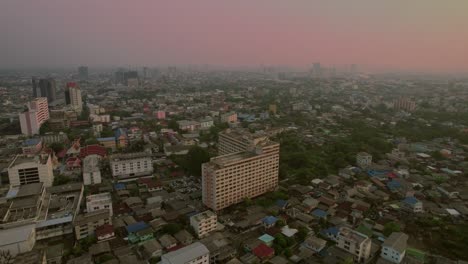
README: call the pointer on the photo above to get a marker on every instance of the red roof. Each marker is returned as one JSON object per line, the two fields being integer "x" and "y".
{"x": 263, "y": 251}
{"x": 71, "y": 84}
{"x": 150, "y": 183}
{"x": 103, "y": 230}
{"x": 93, "y": 149}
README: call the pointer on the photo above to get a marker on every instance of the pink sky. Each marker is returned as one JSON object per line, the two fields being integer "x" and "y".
{"x": 406, "y": 34}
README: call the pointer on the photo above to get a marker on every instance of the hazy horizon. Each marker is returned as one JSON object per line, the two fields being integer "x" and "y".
{"x": 421, "y": 35}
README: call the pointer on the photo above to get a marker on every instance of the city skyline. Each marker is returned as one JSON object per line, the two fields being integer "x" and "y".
{"x": 400, "y": 35}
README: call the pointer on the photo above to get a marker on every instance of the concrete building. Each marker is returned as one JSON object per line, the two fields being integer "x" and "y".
{"x": 230, "y": 117}
{"x": 394, "y": 247}
{"x": 131, "y": 166}
{"x": 91, "y": 170}
{"x": 18, "y": 240}
{"x": 405, "y": 104}
{"x": 195, "y": 253}
{"x": 32, "y": 119}
{"x": 99, "y": 201}
{"x": 44, "y": 88}
{"x": 86, "y": 224}
{"x": 206, "y": 123}
{"x": 73, "y": 96}
{"x": 31, "y": 146}
{"x": 355, "y": 243}
{"x": 229, "y": 179}
{"x": 363, "y": 159}
{"x": 204, "y": 223}
{"x": 188, "y": 125}
{"x": 24, "y": 170}
{"x": 237, "y": 140}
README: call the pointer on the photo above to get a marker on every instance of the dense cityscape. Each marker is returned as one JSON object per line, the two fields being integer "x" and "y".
{"x": 192, "y": 165}
{"x": 234, "y": 132}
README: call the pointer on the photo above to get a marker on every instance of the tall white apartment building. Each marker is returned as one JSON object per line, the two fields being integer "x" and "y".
{"x": 394, "y": 247}
{"x": 91, "y": 170}
{"x": 195, "y": 253}
{"x": 73, "y": 96}
{"x": 99, "y": 201}
{"x": 24, "y": 170}
{"x": 229, "y": 179}
{"x": 130, "y": 166}
{"x": 355, "y": 243}
{"x": 32, "y": 119}
{"x": 204, "y": 223}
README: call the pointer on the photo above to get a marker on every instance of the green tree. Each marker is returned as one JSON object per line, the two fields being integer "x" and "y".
{"x": 57, "y": 146}
{"x": 391, "y": 227}
{"x": 195, "y": 158}
{"x": 171, "y": 228}
{"x": 61, "y": 179}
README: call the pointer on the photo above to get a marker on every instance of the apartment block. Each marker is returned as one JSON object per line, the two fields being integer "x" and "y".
{"x": 32, "y": 119}
{"x": 91, "y": 170}
{"x": 131, "y": 166}
{"x": 26, "y": 169}
{"x": 99, "y": 201}
{"x": 237, "y": 140}
{"x": 229, "y": 179}
{"x": 73, "y": 96}
{"x": 355, "y": 243}
{"x": 196, "y": 253}
{"x": 86, "y": 224}
{"x": 204, "y": 223}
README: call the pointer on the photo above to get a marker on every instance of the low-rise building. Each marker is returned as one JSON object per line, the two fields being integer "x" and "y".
{"x": 363, "y": 159}
{"x": 394, "y": 247}
{"x": 91, "y": 170}
{"x": 204, "y": 223}
{"x": 355, "y": 243}
{"x": 31, "y": 146}
{"x": 25, "y": 170}
{"x": 18, "y": 240}
{"x": 98, "y": 202}
{"x": 131, "y": 166}
{"x": 86, "y": 224}
{"x": 412, "y": 204}
{"x": 195, "y": 253}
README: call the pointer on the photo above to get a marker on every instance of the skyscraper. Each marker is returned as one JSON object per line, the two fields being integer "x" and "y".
{"x": 73, "y": 96}
{"x": 83, "y": 72}
{"x": 32, "y": 119}
{"x": 44, "y": 88}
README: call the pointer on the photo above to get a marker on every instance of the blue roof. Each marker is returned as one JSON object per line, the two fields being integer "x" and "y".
{"x": 373, "y": 173}
{"x": 319, "y": 213}
{"x": 281, "y": 203}
{"x": 393, "y": 185}
{"x": 266, "y": 238}
{"x": 31, "y": 142}
{"x": 331, "y": 230}
{"x": 106, "y": 139}
{"x": 119, "y": 186}
{"x": 270, "y": 220}
{"x": 410, "y": 200}
{"x": 138, "y": 226}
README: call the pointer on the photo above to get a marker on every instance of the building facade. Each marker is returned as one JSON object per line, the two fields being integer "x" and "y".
{"x": 32, "y": 119}
{"x": 363, "y": 159}
{"x": 73, "y": 96}
{"x": 394, "y": 247}
{"x": 355, "y": 243}
{"x": 204, "y": 223}
{"x": 229, "y": 179}
{"x": 98, "y": 202}
{"x": 85, "y": 225}
{"x": 131, "y": 166}
{"x": 44, "y": 88}
{"x": 91, "y": 170}
{"x": 24, "y": 170}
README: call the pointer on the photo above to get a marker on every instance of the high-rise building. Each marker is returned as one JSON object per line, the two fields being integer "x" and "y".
{"x": 32, "y": 119}
{"x": 237, "y": 140}
{"x": 73, "y": 96}
{"x": 83, "y": 72}
{"x": 405, "y": 104}
{"x": 126, "y": 77}
{"x": 229, "y": 179}
{"x": 26, "y": 169}
{"x": 44, "y": 88}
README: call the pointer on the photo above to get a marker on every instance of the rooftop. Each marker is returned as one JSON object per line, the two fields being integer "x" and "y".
{"x": 128, "y": 156}
{"x": 397, "y": 241}
{"x": 39, "y": 159}
{"x": 203, "y": 215}
{"x": 186, "y": 254}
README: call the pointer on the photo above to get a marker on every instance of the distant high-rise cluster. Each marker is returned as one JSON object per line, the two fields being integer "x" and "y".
{"x": 32, "y": 119}
{"x": 73, "y": 96}
{"x": 83, "y": 73}
{"x": 127, "y": 78}
{"x": 248, "y": 167}
{"x": 44, "y": 88}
